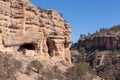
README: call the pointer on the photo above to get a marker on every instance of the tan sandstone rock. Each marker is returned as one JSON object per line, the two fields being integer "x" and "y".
{"x": 38, "y": 31}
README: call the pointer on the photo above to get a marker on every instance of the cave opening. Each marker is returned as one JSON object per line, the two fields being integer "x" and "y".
{"x": 28, "y": 46}
{"x": 49, "y": 50}
{"x": 51, "y": 47}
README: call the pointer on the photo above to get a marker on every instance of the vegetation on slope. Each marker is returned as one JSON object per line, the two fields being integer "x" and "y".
{"x": 8, "y": 66}
{"x": 115, "y": 30}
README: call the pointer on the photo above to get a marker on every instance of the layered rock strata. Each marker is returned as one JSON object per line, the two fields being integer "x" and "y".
{"x": 28, "y": 30}
{"x": 100, "y": 43}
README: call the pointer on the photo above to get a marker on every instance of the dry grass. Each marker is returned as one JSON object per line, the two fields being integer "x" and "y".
{"x": 8, "y": 66}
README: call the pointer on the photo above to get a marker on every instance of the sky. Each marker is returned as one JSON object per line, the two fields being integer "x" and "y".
{"x": 85, "y": 16}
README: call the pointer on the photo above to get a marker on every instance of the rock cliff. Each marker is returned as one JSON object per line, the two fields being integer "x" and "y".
{"x": 100, "y": 43}
{"x": 30, "y": 31}
{"x": 104, "y": 39}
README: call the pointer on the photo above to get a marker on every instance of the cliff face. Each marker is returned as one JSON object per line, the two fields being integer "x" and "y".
{"x": 27, "y": 30}
{"x": 100, "y": 43}
{"x": 104, "y": 39}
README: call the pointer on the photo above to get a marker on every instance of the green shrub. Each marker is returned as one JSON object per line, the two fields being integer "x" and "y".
{"x": 77, "y": 72}
{"x": 82, "y": 50}
{"x": 34, "y": 64}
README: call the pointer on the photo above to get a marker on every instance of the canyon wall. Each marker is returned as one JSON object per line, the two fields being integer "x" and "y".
{"x": 100, "y": 43}
{"x": 27, "y": 30}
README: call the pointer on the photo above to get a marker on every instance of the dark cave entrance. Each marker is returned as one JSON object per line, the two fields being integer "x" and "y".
{"x": 27, "y": 46}
{"x": 51, "y": 48}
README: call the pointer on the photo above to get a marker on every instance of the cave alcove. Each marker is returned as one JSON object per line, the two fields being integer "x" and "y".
{"x": 27, "y": 46}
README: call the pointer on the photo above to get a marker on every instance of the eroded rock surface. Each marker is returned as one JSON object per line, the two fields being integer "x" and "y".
{"x": 23, "y": 28}
{"x": 99, "y": 43}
